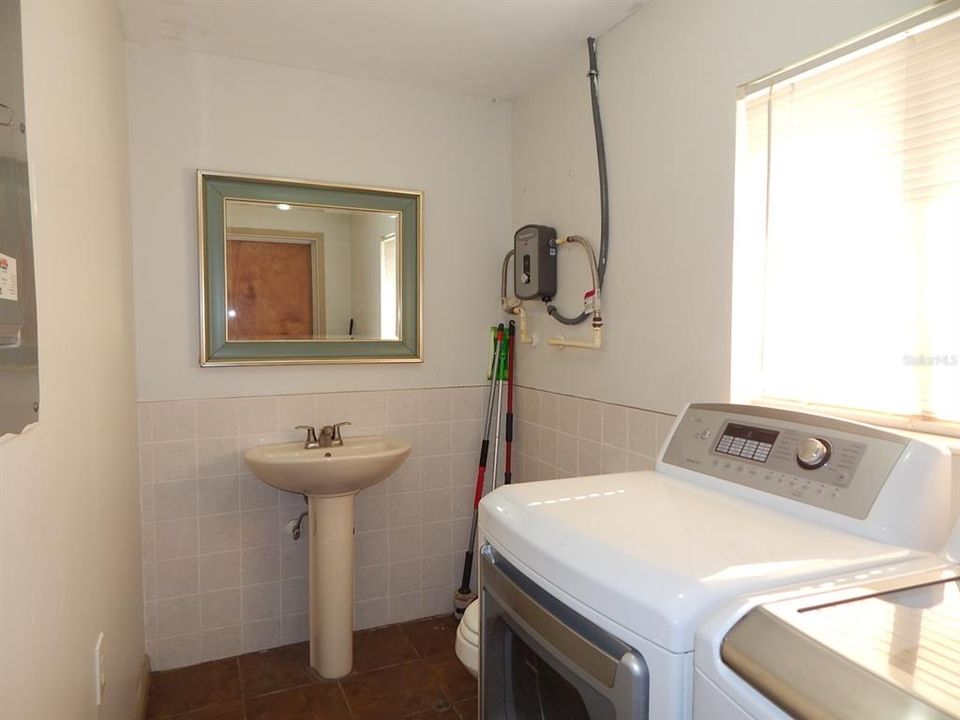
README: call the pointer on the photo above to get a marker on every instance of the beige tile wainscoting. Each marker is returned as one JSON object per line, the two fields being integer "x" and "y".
{"x": 563, "y": 436}
{"x": 222, "y": 577}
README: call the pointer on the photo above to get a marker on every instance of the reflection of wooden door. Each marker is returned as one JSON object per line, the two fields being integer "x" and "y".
{"x": 270, "y": 290}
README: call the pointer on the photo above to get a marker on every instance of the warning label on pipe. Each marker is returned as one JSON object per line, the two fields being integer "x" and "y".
{"x": 8, "y": 277}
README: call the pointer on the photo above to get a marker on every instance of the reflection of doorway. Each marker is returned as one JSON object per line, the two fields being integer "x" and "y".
{"x": 274, "y": 285}
{"x": 388, "y": 287}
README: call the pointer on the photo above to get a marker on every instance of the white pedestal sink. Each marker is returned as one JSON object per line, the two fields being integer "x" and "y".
{"x": 330, "y": 477}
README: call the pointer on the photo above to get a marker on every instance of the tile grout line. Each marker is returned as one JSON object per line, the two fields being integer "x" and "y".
{"x": 243, "y": 695}
{"x": 343, "y": 694}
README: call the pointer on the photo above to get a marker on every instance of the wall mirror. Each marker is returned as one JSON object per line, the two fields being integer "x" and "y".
{"x": 293, "y": 271}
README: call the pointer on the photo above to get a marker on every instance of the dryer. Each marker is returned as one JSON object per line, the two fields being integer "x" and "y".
{"x": 592, "y": 588}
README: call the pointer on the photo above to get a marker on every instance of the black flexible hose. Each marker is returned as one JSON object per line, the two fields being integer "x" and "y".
{"x": 594, "y": 75}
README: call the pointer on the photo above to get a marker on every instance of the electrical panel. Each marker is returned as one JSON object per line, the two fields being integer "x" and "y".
{"x": 19, "y": 375}
{"x": 535, "y": 262}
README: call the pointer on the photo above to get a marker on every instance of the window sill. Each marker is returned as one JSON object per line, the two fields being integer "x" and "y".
{"x": 951, "y": 443}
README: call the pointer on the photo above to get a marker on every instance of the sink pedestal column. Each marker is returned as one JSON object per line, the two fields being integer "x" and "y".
{"x": 331, "y": 585}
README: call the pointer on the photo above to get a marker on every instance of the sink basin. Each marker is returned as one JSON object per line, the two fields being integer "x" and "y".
{"x": 331, "y": 471}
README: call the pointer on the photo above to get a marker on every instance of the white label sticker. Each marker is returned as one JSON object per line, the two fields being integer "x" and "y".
{"x": 8, "y": 277}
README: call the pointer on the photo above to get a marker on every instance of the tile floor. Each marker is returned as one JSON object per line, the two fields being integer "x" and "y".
{"x": 406, "y": 671}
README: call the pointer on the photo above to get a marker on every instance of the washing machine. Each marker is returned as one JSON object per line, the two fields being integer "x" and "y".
{"x": 592, "y": 588}
{"x": 869, "y": 644}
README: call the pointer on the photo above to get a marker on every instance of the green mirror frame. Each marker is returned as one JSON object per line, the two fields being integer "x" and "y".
{"x": 215, "y": 188}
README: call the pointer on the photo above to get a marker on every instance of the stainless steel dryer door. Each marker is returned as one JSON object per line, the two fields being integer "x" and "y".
{"x": 539, "y": 660}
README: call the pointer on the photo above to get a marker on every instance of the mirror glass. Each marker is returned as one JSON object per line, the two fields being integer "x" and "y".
{"x": 295, "y": 271}
{"x": 307, "y": 272}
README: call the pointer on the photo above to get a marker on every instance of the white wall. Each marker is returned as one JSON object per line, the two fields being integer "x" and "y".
{"x": 69, "y": 516}
{"x": 668, "y": 77}
{"x": 191, "y": 110}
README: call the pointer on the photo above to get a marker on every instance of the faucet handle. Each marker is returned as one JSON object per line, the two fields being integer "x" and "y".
{"x": 311, "y": 433}
{"x": 336, "y": 430}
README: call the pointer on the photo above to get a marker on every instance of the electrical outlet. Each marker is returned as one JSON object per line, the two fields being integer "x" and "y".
{"x": 99, "y": 669}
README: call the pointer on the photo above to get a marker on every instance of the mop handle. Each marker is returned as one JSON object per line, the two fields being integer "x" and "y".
{"x": 508, "y": 458}
{"x": 481, "y": 467}
{"x": 496, "y": 435}
{"x": 485, "y": 443}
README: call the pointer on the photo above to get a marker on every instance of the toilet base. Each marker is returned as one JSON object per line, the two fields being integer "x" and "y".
{"x": 468, "y": 639}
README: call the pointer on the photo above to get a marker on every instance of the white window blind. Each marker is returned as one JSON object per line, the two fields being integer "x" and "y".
{"x": 847, "y": 248}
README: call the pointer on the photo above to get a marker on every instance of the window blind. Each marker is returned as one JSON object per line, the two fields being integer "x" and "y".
{"x": 848, "y": 189}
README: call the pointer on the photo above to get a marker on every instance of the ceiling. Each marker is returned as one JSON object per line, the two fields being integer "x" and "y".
{"x": 489, "y": 48}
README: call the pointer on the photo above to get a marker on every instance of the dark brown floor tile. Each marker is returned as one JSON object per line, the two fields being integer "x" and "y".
{"x": 173, "y": 692}
{"x": 313, "y": 702}
{"x": 455, "y": 682}
{"x": 433, "y": 636}
{"x": 443, "y": 712}
{"x": 230, "y": 711}
{"x": 281, "y": 668}
{"x": 380, "y": 648}
{"x": 393, "y": 692}
{"x": 468, "y": 709}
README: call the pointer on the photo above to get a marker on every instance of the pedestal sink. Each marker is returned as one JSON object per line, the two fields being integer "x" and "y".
{"x": 330, "y": 477}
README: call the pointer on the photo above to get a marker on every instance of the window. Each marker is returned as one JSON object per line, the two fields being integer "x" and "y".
{"x": 847, "y": 228}
{"x": 388, "y": 287}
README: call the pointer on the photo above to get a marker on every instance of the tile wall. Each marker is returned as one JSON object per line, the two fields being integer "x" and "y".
{"x": 563, "y": 436}
{"x": 221, "y": 575}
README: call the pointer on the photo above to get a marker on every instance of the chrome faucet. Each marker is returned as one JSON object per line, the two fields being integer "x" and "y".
{"x": 311, "y": 441}
{"x": 328, "y": 436}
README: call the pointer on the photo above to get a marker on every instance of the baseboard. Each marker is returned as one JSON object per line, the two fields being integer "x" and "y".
{"x": 143, "y": 689}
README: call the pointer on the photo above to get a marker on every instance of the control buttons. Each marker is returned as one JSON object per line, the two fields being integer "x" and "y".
{"x": 744, "y": 448}
{"x": 705, "y": 434}
{"x": 813, "y": 453}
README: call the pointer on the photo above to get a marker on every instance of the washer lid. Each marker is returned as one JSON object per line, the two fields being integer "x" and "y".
{"x": 655, "y": 554}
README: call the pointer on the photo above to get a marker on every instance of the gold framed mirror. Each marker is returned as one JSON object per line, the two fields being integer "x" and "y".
{"x": 296, "y": 271}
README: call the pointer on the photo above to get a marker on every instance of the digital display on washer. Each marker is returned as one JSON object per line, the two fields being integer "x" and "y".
{"x": 749, "y": 443}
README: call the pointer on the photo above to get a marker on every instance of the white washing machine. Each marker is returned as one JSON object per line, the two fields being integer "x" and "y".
{"x": 870, "y": 644}
{"x": 592, "y": 588}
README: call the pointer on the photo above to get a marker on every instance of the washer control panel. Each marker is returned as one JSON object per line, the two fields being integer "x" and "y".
{"x": 829, "y": 463}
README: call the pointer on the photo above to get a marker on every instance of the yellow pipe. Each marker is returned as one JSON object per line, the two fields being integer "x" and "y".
{"x": 524, "y": 337}
{"x": 596, "y": 344}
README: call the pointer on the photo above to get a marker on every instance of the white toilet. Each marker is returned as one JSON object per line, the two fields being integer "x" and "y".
{"x": 468, "y": 638}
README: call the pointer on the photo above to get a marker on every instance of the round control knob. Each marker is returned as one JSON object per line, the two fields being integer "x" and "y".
{"x": 813, "y": 453}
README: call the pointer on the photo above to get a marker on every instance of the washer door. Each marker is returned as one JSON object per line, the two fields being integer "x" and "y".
{"x": 539, "y": 660}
